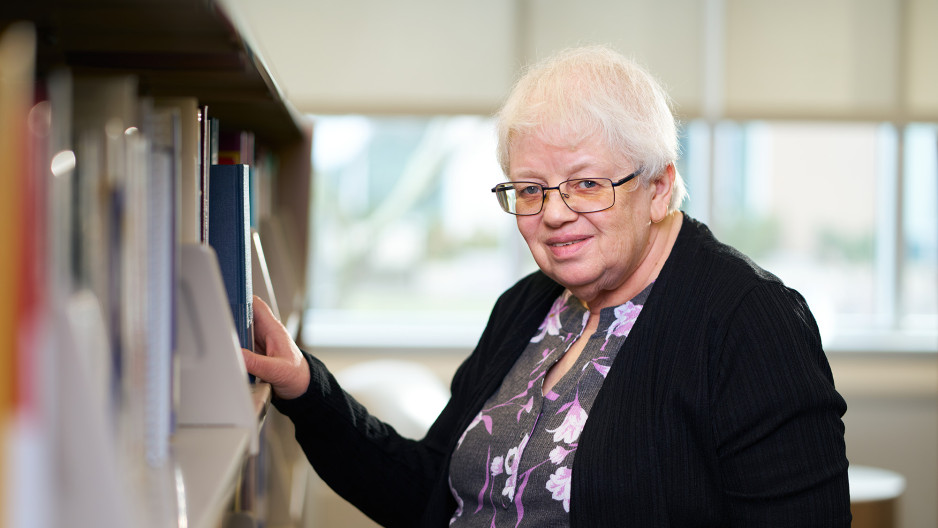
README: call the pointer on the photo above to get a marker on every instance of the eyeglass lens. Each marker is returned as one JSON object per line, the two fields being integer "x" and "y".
{"x": 580, "y": 195}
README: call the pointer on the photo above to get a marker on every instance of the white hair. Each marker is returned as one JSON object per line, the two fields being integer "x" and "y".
{"x": 594, "y": 90}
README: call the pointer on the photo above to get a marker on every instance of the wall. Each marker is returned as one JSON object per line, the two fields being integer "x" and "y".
{"x": 840, "y": 59}
{"x": 892, "y": 422}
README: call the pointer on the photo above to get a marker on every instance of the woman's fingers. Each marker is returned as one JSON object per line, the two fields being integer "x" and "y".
{"x": 278, "y": 361}
{"x": 265, "y": 324}
{"x": 252, "y": 363}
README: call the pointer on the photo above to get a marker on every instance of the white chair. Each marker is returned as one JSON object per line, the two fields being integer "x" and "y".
{"x": 405, "y": 394}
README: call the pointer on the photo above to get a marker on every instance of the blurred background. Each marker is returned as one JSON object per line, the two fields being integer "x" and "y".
{"x": 809, "y": 132}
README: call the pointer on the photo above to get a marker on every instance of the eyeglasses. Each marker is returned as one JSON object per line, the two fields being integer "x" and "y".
{"x": 581, "y": 195}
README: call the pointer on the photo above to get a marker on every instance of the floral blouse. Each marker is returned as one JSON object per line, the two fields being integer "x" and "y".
{"x": 512, "y": 465}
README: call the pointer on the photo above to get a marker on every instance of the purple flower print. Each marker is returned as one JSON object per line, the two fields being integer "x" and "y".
{"x": 558, "y": 454}
{"x": 512, "y": 459}
{"x": 559, "y": 486}
{"x": 545, "y": 355}
{"x": 551, "y": 324}
{"x": 526, "y": 408}
{"x": 521, "y": 410}
{"x": 485, "y": 486}
{"x": 519, "y": 502}
{"x": 602, "y": 369}
{"x": 498, "y": 465}
{"x": 569, "y": 430}
{"x": 480, "y": 418}
{"x": 626, "y": 315}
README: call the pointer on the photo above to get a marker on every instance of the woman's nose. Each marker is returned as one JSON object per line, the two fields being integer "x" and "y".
{"x": 555, "y": 209}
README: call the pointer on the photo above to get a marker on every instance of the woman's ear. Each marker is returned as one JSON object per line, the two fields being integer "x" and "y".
{"x": 661, "y": 197}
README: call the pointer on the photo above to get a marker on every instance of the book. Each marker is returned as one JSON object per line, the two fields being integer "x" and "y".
{"x": 17, "y": 56}
{"x": 131, "y": 302}
{"x": 162, "y": 125}
{"x": 108, "y": 216}
{"x": 190, "y": 166}
{"x": 230, "y": 237}
{"x": 235, "y": 147}
{"x": 60, "y": 219}
{"x": 265, "y": 170}
{"x": 207, "y": 141}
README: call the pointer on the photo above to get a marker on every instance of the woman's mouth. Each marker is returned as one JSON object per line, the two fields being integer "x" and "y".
{"x": 565, "y": 246}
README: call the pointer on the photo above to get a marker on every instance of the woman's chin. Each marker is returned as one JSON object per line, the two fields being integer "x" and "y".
{"x": 572, "y": 279}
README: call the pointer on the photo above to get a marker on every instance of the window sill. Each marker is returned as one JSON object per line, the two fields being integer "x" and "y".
{"x": 435, "y": 332}
{"x": 389, "y": 332}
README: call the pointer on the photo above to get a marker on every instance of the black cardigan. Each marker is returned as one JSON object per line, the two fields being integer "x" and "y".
{"x": 719, "y": 410}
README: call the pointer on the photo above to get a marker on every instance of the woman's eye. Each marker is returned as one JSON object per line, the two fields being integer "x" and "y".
{"x": 531, "y": 190}
{"x": 585, "y": 185}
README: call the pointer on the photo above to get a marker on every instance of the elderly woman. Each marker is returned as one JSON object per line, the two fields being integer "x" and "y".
{"x": 647, "y": 375}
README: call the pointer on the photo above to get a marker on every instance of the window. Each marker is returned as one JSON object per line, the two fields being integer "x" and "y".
{"x": 919, "y": 252}
{"x": 410, "y": 248}
{"x": 823, "y": 206}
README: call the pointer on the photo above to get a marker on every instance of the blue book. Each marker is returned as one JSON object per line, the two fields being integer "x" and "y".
{"x": 229, "y": 234}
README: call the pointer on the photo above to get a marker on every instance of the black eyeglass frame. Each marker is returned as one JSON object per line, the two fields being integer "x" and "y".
{"x": 544, "y": 190}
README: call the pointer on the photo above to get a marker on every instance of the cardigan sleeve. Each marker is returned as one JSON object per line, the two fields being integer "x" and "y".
{"x": 777, "y": 417}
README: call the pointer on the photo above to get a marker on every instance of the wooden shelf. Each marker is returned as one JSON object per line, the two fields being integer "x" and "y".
{"x": 210, "y": 476}
{"x": 188, "y": 49}
{"x": 174, "y": 47}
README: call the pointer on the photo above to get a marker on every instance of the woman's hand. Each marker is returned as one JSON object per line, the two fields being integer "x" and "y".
{"x": 278, "y": 360}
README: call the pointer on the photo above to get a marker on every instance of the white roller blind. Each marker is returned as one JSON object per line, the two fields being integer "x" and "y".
{"x": 921, "y": 90}
{"x": 664, "y": 36}
{"x": 396, "y": 56}
{"x": 830, "y": 58}
{"x": 807, "y": 59}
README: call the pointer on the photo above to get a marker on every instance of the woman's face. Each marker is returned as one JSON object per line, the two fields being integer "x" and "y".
{"x": 592, "y": 254}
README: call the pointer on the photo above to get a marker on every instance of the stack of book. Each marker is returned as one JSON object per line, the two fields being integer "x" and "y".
{"x": 106, "y": 191}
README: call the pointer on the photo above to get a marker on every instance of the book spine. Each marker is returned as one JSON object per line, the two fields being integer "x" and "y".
{"x": 163, "y": 128}
{"x": 205, "y": 162}
{"x": 230, "y": 237}
{"x": 235, "y": 147}
{"x": 17, "y": 53}
{"x": 188, "y": 194}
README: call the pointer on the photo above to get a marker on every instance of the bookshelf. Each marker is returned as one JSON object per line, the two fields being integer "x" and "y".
{"x": 105, "y": 228}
